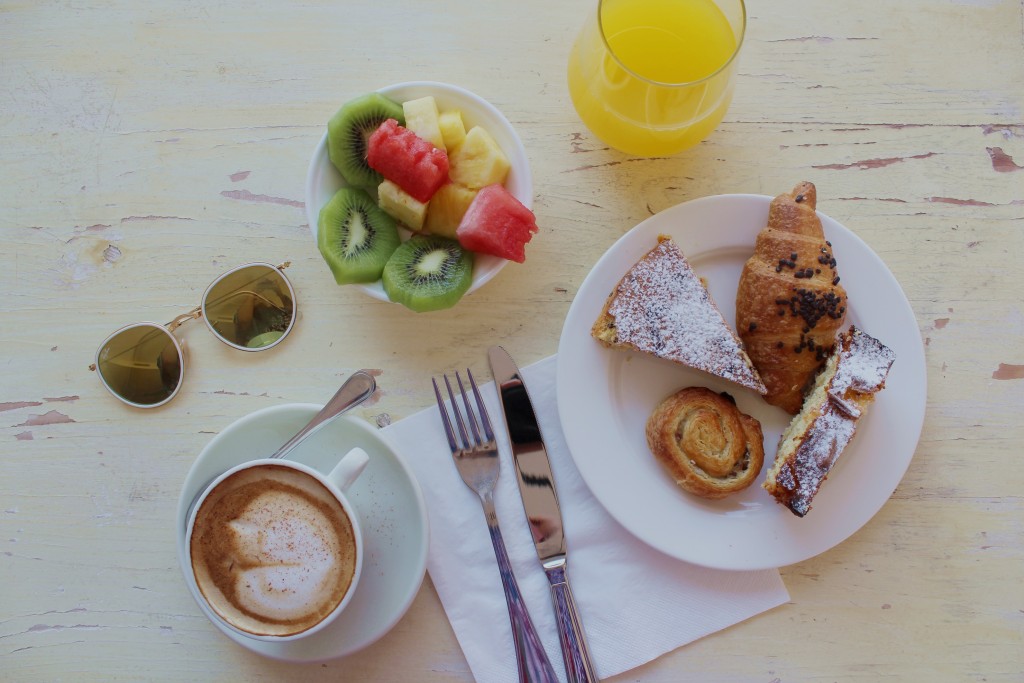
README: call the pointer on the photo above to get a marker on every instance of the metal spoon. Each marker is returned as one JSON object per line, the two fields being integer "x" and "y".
{"x": 356, "y": 389}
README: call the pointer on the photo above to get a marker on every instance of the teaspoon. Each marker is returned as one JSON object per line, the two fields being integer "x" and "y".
{"x": 356, "y": 389}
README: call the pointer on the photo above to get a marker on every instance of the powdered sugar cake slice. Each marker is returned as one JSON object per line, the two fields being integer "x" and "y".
{"x": 660, "y": 307}
{"x": 817, "y": 436}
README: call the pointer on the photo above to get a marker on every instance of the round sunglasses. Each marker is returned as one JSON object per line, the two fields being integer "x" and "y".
{"x": 250, "y": 308}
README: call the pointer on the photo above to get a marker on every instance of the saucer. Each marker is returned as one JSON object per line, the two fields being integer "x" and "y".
{"x": 386, "y": 497}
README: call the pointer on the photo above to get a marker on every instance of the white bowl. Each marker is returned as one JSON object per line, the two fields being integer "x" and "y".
{"x": 323, "y": 180}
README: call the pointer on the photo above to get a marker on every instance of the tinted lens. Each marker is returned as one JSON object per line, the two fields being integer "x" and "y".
{"x": 141, "y": 365}
{"x": 250, "y": 308}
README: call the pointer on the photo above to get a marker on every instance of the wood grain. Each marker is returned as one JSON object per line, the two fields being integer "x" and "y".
{"x": 150, "y": 146}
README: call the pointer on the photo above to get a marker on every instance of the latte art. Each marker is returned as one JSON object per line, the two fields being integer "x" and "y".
{"x": 282, "y": 565}
{"x": 273, "y": 551}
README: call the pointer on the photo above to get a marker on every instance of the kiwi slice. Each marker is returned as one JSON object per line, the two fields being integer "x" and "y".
{"x": 350, "y": 129}
{"x": 428, "y": 273}
{"x": 355, "y": 236}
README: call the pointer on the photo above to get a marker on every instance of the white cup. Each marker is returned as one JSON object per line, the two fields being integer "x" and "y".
{"x": 265, "y": 549}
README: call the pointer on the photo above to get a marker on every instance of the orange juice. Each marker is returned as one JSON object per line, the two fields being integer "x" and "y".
{"x": 653, "y": 77}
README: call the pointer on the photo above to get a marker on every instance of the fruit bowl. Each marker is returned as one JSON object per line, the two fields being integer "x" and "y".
{"x": 323, "y": 180}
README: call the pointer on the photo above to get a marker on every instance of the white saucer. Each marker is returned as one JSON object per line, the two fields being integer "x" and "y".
{"x": 387, "y": 499}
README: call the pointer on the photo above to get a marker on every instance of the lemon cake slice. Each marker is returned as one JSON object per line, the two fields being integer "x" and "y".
{"x": 814, "y": 440}
{"x": 661, "y": 308}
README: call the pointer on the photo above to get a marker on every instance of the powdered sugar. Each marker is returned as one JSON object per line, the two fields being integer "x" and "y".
{"x": 660, "y": 307}
{"x": 831, "y": 433}
{"x": 831, "y": 415}
{"x": 863, "y": 366}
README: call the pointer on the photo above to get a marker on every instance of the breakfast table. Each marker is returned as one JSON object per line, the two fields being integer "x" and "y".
{"x": 149, "y": 147}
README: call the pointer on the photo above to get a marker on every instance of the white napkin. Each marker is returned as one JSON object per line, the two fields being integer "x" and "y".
{"x": 635, "y": 602}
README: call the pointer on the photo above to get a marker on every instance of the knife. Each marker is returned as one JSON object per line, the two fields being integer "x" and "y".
{"x": 537, "y": 487}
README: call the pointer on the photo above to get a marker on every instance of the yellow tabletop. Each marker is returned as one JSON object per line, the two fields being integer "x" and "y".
{"x": 150, "y": 146}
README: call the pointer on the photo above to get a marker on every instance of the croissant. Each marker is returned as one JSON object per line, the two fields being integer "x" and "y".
{"x": 789, "y": 303}
{"x": 705, "y": 443}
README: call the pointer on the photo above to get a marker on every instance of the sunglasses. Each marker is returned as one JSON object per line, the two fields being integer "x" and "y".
{"x": 250, "y": 308}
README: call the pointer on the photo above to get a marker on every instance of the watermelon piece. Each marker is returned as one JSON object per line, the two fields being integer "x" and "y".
{"x": 497, "y": 223}
{"x": 407, "y": 160}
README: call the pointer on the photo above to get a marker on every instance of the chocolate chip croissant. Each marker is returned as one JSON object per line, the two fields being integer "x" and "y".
{"x": 705, "y": 443}
{"x": 789, "y": 303}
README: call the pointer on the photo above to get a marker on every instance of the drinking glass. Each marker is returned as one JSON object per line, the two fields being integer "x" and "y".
{"x": 654, "y": 77}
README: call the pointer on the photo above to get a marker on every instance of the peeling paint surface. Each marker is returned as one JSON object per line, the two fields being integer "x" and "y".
{"x": 50, "y": 418}
{"x": 150, "y": 147}
{"x": 868, "y": 164}
{"x": 1008, "y": 371}
{"x": 246, "y": 196}
{"x": 1001, "y": 161}
{"x": 19, "y": 404}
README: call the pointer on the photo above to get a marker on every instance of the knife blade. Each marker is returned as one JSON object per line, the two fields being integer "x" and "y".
{"x": 540, "y": 502}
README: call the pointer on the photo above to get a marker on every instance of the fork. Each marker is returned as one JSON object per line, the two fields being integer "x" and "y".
{"x": 477, "y": 462}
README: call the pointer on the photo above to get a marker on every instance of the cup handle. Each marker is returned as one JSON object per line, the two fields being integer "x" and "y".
{"x": 348, "y": 470}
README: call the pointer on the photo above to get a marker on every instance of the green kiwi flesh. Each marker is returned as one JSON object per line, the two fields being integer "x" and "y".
{"x": 355, "y": 236}
{"x": 348, "y": 132}
{"x": 428, "y": 273}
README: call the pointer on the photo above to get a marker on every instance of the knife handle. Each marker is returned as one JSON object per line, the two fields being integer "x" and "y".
{"x": 578, "y": 666}
{"x": 531, "y": 659}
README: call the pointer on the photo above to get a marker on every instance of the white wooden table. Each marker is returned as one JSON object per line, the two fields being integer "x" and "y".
{"x": 147, "y": 147}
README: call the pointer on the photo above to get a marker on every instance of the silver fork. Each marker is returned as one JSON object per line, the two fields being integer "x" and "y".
{"x": 477, "y": 462}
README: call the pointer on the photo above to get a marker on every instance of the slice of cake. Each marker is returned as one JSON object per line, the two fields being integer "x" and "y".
{"x": 661, "y": 308}
{"x": 826, "y": 423}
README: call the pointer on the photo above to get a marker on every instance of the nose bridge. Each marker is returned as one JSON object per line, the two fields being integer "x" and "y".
{"x": 194, "y": 314}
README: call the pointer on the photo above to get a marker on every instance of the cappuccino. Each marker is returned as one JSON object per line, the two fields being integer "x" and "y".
{"x": 273, "y": 551}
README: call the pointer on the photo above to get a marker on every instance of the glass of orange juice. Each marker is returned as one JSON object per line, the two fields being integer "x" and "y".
{"x": 653, "y": 77}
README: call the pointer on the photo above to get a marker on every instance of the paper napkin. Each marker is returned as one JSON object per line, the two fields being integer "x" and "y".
{"x": 635, "y": 602}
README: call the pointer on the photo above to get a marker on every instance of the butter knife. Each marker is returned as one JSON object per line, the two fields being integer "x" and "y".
{"x": 540, "y": 502}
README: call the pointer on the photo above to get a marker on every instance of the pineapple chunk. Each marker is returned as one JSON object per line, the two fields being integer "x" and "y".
{"x": 401, "y": 206}
{"x": 478, "y": 161}
{"x": 446, "y": 208}
{"x": 453, "y": 130}
{"x": 421, "y": 117}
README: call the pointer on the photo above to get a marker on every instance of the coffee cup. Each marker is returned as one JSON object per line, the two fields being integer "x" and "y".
{"x": 275, "y": 548}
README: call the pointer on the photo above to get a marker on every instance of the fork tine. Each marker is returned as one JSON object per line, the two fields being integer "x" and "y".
{"x": 480, "y": 406}
{"x": 471, "y": 418}
{"x": 448, "y": 431}
{"x": 458, "y": 413}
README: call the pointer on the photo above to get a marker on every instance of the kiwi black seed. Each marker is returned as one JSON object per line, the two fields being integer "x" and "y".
{"x": 355, "y": 236}
{"x": 428, "y": 273}
{"x": 348, "y": 132}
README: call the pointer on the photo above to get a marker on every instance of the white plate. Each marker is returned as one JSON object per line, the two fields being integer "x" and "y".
{"x": 386, "y": 497}
{"x": 605, "y": 397}
{"x": 323, "y": 179}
